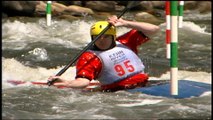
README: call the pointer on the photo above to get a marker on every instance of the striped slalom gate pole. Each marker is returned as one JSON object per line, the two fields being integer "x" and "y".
{"x": 48, "y": 13}
{"x": 180, "y": 17}
{"x": 168, "y": 32}
{"x": 174, "y": 47}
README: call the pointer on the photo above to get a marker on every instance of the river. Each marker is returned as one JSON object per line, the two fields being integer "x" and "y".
{"x": 32, "y": 51}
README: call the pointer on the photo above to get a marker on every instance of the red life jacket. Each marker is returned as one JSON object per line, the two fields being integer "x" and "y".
{"x": 89, "y": 65}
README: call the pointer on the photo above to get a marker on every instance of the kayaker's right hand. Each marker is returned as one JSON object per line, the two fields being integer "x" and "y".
{"x": 53, "y": 79}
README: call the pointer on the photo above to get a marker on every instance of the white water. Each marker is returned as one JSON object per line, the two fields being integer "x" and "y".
{"x": 14, "y": 70}
{"x": 19, "y": 45}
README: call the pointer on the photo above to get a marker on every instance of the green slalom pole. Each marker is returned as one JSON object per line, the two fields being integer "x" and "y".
{"x": 180, "y": 17}
{"x": 48, "y": 13}
{"x": 174, "y": 47}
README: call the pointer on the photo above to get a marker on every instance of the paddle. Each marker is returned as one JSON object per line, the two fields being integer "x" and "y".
{"x": 130, "y": 5}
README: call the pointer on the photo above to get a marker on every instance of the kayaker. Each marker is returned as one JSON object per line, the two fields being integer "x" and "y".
{"x": 112, "y": 61}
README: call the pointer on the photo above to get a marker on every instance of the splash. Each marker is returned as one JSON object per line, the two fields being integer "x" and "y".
{"x": 40, "y": 54}
{"x": 15, "y": 70}
{"x": 192, "y": 26}
{"x": 141, "y": 103}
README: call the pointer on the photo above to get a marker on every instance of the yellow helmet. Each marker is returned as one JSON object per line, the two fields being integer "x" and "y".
{"x": 100, "y": 26}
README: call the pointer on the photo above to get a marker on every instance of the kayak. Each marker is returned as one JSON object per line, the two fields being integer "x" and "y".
{"x": 186, "y": 88}
{"x": 92, "y": 85}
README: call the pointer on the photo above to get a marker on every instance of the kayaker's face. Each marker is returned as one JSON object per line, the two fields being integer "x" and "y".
{"x": 104, "y": 42}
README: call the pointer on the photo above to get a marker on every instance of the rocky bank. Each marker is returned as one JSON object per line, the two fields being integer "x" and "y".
{"x": 144, "y": 10}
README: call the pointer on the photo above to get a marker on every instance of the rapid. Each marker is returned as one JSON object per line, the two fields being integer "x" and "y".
{"x": 31, "y": 51}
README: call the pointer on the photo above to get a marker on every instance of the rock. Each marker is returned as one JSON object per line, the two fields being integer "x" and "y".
{"x": 68, "y": 17}
{"x": 119, "y": 8}
{"x": 204, "y": 6}
{"x": 102, "y": 6}
{"x": 201, "y": 6}
{"x": 149, "y": 5}
{"x": 145, "y": 5}
{"x": 96, "y": 8}
{"x": 41, "y": 6}
{"x": 58, "y": 8}
{"x": 158, "y": 4}
{"x": 190, "y": 5}
{"x": 101, "y": 15}
{"x": 79, "y": 10}
{"x": 19, "y": 8}
{"x": 146, "y": 17}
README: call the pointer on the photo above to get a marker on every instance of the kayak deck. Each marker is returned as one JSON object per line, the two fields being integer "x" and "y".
{"x": 186, "y": 89}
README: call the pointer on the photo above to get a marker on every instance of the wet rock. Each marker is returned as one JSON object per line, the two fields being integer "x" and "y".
{"x": 40, "y": 9}
{"x": 190, "y": 5}
{"x": 79, "y": 10}
{"x": 201, "y": 6}
{"x": 68, "y": 17}
{"x": 19, "y": 8}
{"x": 204, "y": 6}
{"x": 102, "y": 6}
{"x": 146, "y": 17}
{"x": 84, "y": 8}
{"x": 58, "y": 7}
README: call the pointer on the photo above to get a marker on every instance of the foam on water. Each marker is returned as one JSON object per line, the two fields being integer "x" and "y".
{"x": 15, "y": 70}
{"x": 141, "y": 103}
{"x": 203, "y": 77}
{"x": 60, "y": 32}
{"x": 192, "y": 27}
{"x": 18, "y": 34}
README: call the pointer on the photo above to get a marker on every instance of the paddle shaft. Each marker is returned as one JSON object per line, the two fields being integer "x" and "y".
{"x": 88, "y": 46}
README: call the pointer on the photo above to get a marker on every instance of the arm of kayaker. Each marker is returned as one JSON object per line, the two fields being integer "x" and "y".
{"x": 77, "y": 83}
{"x": 147, "y": 28}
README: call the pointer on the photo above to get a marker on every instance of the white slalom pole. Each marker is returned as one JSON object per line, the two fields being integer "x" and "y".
{"x": 48, "y": 13}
